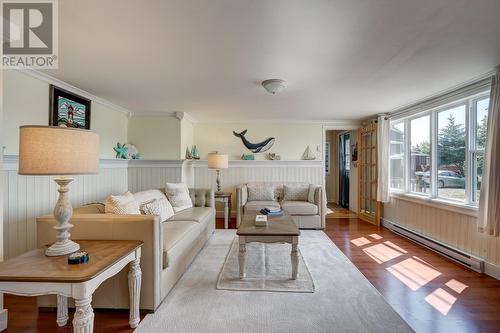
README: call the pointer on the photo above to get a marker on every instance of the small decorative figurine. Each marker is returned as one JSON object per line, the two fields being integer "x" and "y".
{"x": 121, "y": 151}
{"x": 248, "y": 157}
{"x": 194, "y": 153}
{"x": 188, "y": 154}
{"x": 273, "y": 157}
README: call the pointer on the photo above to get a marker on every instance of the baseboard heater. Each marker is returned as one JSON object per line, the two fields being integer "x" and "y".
{"x": 458, "y": 256}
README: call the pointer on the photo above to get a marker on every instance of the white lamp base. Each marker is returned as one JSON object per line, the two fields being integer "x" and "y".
{"x": 62, "y": 214}
{"x": 62, "y": 248}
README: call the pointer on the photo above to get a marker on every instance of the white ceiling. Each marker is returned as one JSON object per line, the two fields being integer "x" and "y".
{"x": 342, "y": 59}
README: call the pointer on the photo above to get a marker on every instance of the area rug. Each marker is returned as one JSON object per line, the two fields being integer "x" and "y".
{"x": 343, "y": 301}
{"x": 268, "y": 268}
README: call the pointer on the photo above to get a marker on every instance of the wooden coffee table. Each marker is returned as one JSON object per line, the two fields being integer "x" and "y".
{"x": 280, "y": 229}
{"x": 34, "y": 274}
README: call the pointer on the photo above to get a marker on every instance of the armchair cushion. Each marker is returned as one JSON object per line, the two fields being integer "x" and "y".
{"x": 260, "y": 192}
{"x": 256, "y": 206}
{"x": 299, "y": 208}
{"x": 296, "y": 192}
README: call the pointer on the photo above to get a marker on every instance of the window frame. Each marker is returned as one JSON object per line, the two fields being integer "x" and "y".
{"x": 471, "y": 151}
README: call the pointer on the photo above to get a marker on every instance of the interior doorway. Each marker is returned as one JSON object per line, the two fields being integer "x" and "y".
{"x": 341, "y": 179}
{"x": 344, "y": 169}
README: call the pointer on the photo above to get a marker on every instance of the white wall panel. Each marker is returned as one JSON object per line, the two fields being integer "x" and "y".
{"x": 27, "y": 197}
{"x": 451, "y": 227}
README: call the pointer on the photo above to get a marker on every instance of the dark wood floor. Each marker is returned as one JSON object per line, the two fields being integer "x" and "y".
{"x": 431, "y": 293}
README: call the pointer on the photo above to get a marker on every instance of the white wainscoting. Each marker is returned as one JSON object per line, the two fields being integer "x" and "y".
{"x": 27, "y": 197}
{"x": 145, "y": 175}
{"x": 241, "y": 172}
{"x": 450, "y": 227}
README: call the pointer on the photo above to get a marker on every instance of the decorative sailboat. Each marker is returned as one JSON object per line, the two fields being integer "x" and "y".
{"x": 188, "y": 154}
{"x": 308, "y": 154}
{"x": 194, "y": 153}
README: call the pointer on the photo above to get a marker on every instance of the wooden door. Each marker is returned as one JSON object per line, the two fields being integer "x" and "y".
{"x": 369, "y": 208}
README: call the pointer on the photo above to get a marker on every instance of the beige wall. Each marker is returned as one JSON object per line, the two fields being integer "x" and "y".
{"x": 291, "y": 139}
{"x": 187, "y": 136}
{"x": 156, "y": 137}
{"x": 332, "y": 179}
{"x": 26, "y": 102}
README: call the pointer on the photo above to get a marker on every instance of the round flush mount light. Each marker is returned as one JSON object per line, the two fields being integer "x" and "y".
{"x": 274, "y": 86}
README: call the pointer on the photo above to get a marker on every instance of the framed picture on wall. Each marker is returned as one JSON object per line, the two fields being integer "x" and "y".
{"x": 68, "y": 109}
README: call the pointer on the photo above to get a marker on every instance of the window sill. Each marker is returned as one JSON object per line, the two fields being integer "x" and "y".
{"x": 437, "y": 203}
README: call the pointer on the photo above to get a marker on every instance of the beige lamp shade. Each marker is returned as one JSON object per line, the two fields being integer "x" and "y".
{"x": 49, "y": 150}
{"x": 217, "y": 161}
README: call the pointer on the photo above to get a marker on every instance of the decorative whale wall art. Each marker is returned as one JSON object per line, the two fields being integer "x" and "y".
{"x": 255, "y": 147}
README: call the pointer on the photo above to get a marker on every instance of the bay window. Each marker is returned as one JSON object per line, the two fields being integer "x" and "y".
{"x": 439, "y": 153}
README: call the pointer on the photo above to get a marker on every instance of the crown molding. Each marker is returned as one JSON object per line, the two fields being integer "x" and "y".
{"x": 66, "y": 86}
{"x": 154, "y": 114}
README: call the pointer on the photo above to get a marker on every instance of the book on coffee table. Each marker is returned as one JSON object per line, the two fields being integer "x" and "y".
{"x": 260, "y": 220}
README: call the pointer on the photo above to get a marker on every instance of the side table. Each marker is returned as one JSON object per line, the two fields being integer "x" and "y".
{"x": 34, "y": 274}
{"x": 225, "y": 197}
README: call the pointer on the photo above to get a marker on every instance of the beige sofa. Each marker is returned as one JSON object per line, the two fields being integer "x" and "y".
{"x": 169, "y": 247}
{"x": 306, "y": 214}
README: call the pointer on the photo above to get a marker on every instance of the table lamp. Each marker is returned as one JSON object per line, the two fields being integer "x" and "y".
{"x": 217, "y": 161}
{"x": 59, "y": 151}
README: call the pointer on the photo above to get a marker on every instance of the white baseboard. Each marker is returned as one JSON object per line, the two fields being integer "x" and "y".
{"x": 492, "y": 270}
{"x": 3, "y": 319}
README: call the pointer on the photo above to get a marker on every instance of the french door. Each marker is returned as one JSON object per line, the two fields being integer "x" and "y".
{"x": 369, "y": 208}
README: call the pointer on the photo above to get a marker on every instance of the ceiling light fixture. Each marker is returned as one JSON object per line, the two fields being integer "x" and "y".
{"x": 274, "y": 86}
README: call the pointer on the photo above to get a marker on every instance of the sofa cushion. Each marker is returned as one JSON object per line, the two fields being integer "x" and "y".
{"x": 146, "y": 196}
{"x": 91, "y": 208}
{"x": 296, "y": 192}
{"x": 299, "y": 208}
{"x": 256, "y": 206}
{"x": 178, "y": 195}
{"x": 160, "y": 207}
{"x": 122, "y": 204}
{"x": 261, "y": 192}
{"x": 195, "y": 214}
{"x": 175, "y": 232}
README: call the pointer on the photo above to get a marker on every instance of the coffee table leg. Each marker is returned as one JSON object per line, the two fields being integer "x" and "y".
{"x": 242, "y": 256}
{"x": 134, "y": 289}
{"x": 83, "y": 320}
{"x": 295, "y": 257}
{"x": 62, "y": 310}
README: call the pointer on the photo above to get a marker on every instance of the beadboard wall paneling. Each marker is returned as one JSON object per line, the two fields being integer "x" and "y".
{"x": 241, "y": 172}
{"x": 145, "y": 175}
{"x": 27, "y": 197}
{"x": 451, "y": 227}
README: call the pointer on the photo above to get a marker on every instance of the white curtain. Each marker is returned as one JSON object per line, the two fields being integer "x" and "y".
{"x": 489, "y": 202}
{"x": 383, "y": 147}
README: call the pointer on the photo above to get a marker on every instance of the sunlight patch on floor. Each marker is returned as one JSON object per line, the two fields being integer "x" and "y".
{"x": 441, "y": 300}
{"x": 381, "y": 253}
{"x": 394, "y": 246}
{"x": 376, "y": 236}
{"x": 456, "y": 286}
{"x": 360, "y": 241}
{"x": 413, "y": 273}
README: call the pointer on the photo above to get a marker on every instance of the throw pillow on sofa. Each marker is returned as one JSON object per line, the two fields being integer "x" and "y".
{"x": 260, "y": 192}
{"x": 121, "y": 204}
{"x": 296, "y": 192}
{"x": 160, "y": 207}
{"x": 178, "y": 195}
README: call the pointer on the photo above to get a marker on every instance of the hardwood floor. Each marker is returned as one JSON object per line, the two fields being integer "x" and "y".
{"x": 431, "y": 293}
{"x": 337, "y": 212}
